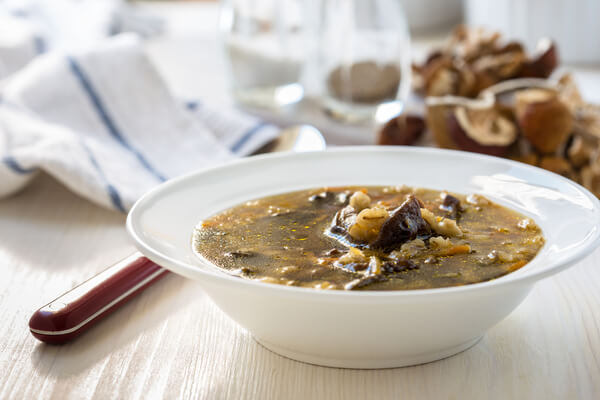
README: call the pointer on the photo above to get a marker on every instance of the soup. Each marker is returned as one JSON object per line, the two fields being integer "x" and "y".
{"x": 369, "y": 238}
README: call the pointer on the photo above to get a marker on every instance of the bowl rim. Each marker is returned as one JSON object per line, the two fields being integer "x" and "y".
{"x": 525, "y": 278}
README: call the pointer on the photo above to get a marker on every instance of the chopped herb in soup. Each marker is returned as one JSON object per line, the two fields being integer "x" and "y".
{"x": 369, "y": 238}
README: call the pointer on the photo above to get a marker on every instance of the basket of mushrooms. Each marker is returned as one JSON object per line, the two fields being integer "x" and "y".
{"x": 489, "y": 96}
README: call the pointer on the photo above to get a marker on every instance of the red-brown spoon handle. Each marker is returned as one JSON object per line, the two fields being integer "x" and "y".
{"x": 68, "y": 316}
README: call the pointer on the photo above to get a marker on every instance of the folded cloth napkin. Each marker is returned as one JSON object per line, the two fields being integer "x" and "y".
{"x": 103, "y": 122}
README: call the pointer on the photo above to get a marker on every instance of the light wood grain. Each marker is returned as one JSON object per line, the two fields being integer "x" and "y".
{"x": 172, "y": 342}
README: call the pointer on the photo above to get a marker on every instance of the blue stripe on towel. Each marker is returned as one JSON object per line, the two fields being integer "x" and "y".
{"x": 246, "y": 136}
{"x": 9, "y": 160}
{"x": 15, "y": 166}
{"x": 192, "y": 105}
{"x": 108, "y": 122}
{"x": 112, "y": 191}
{"x": 40, "y": 44}
{"x": 12, "y": 163}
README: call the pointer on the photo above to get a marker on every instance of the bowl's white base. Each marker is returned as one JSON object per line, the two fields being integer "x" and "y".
{"x": 369, "y": 363}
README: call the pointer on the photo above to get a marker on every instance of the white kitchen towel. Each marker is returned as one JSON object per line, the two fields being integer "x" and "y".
{"x": 103, "y": 122}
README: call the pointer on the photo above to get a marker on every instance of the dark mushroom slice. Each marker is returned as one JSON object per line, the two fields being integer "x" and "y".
{"x": 451, "y": 205}
{"x": 396, "y": 266}
{"x": 328, "y": 197}
{"x": 404, "y": 224}
{"x": 334, "y": 252}
{"x": 484, "y": 131}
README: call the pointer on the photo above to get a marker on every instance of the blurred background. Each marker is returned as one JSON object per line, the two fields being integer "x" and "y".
{"x": 360, "y": 71}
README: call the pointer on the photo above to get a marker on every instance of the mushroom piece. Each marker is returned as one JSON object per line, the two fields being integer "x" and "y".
{"x": 470, "y": 43}
{"x": 586, "y": 117}
{"x": 543, "y": 118}
{"x": 451, "y": 205}
{"x": 528, "y": 158}
{"x": 404, "y": 224}
{"x": 401, "y": 130}
{"x": 580, "y": 151}
{"x": 545, "y": 61}
{"x": 484, "y": 131}
{"x": 587, "y": 120}
{"x": 439, "y": 110}
{"x": 445, "y": 76}
{"x": 436, "y": 117}
{"x": 558, "y": 165}
{"x": 590, "y": 178}
{"x": 569, "y": 92}
{"x": 503, "y": 63}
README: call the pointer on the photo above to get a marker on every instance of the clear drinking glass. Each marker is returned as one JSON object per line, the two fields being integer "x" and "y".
{"x": 363, "y": 59}
{"x": 265, "y": 45}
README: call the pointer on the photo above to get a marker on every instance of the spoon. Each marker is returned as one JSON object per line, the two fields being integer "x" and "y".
{"x": 74, "y": 312}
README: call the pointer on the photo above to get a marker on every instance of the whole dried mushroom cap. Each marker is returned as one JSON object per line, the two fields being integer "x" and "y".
{"x": 401, "y": 130}
{"x": 439, "y": 110}
{"x": 483, "y": 131}
{"x": 543, "y": 118}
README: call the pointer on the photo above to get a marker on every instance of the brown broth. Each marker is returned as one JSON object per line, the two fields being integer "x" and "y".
{"x": 282, "y": 239}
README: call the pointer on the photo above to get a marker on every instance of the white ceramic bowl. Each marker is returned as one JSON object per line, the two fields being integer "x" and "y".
{"x": 366, "y": 329}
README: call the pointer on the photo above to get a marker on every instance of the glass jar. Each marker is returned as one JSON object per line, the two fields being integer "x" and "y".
{"x": 264, "y": 44}
{"x": 363, "y": 59}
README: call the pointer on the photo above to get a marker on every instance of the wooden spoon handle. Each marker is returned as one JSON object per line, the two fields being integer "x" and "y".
{"x": 77, "y": 310}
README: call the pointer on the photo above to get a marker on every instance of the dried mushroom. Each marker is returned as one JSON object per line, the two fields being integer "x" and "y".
{"x": 482, "y": 131}
{"x": 471, "y": 43}
{"x": 475, "y": 59}
{"x": 504, "y": 63}
{"x": 444, "y": 76}
{"x": 545, "y": 61}
{"x": 527, "y": 158}
{"x": 579, "y": 152}
{"x": 405, "y": 224}
{"x": 489, "y": 96}
{"x": 590, "y": 178}
{"x": 440, "y": 110}
{"x": 587, "y": 120}
{"x": 586, "y": 117}
{"x": 437, "y": 117}
{"x": 558, "y": 165}
{"x": 543, "y": 118}
{"x": 401, "y": 130}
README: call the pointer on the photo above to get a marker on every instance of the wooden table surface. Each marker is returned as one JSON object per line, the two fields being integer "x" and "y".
{"x": 172, "y": 342}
